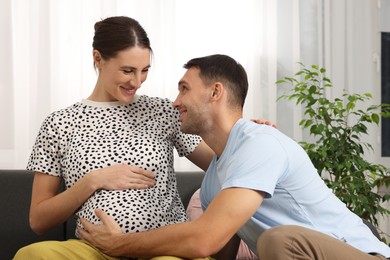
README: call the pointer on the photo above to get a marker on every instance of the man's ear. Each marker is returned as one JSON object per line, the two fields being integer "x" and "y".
{"x": 217, "y": 90}
{"x": 97, "y": 58}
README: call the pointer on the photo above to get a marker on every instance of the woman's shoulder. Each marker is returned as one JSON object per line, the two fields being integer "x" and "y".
{"x": 66, "y": 113}
{"x": 161, "y": 108}
{"x": 155, "y": 100}
{"x": 157, "y": 103}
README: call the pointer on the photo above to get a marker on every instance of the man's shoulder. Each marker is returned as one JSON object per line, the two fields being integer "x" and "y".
{"x": 249, "y": 131}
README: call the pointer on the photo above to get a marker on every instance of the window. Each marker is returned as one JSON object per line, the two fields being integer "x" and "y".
{"x": 385, "y": 82}
{"x": 384, "y": 23}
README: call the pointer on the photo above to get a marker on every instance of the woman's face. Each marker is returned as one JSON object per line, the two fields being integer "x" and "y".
{"x": 120, "y": 77}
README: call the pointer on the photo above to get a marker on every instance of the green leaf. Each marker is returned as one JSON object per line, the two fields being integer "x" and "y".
{"x": 350, "y": 106}
{"x": 317, "y": 129}
{"x": 375, "y": 118}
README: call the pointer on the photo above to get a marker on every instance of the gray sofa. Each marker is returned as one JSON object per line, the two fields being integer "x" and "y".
{"x": 15, "y": 195}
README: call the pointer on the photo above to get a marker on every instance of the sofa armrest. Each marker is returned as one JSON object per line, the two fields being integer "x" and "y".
{"x": 15, "y": 197}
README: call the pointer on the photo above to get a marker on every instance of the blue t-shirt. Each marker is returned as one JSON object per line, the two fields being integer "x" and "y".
{"x": 260, "y": 157}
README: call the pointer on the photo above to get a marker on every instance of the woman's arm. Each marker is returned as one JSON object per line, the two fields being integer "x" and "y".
{"x": 201, "y": 156}
{"x": 50, "y": 208}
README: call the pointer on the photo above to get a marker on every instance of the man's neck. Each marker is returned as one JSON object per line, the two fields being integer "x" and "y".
{"x": 217, "y": 136}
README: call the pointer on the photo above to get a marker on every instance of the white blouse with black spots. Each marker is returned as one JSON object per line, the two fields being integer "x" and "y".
{"x": 92, "y": 135}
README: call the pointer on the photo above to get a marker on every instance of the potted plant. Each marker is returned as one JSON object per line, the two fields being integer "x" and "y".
{"x": 337, "y": 150}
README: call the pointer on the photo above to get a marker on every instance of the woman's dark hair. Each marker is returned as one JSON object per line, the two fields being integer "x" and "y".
{"x": 224, "y": 69}
{"x": 117, "y": 33}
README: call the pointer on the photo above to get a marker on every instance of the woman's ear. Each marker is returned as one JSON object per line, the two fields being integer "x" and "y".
{"x": 97, "y": 58}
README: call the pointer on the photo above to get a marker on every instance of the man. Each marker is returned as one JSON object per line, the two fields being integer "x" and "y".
{"x": 261, "y": 185}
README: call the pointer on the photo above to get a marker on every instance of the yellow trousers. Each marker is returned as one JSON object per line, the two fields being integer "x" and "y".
{"x": 71, "y": 249}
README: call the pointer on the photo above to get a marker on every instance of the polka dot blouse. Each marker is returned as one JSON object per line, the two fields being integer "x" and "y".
{"x": 92, "y": 135}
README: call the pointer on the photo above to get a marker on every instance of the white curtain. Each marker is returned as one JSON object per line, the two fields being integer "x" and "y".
{"x": 46, "y": 54}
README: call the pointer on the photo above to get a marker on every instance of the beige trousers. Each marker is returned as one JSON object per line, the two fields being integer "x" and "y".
{"x": 299, "y": 243}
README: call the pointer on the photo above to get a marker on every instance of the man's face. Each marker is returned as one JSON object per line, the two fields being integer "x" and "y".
{"x": 192, "y": 102}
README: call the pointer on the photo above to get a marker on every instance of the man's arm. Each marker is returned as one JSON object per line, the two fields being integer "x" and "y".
{"x": 230, "y": 250}
{"x": 205, "y": 236}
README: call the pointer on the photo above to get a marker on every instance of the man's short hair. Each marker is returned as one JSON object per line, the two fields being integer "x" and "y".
{"x": 224, "y": 69}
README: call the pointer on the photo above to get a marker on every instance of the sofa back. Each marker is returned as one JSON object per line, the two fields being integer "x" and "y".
{"x": 15, "y": 197}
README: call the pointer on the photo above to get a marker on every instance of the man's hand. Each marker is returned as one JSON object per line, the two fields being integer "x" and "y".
{"x": 101, "y": 235}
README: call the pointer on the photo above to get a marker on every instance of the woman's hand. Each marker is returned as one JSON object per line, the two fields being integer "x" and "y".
{"x": 121, "y": 177}
{"x": 264, "y": 121}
